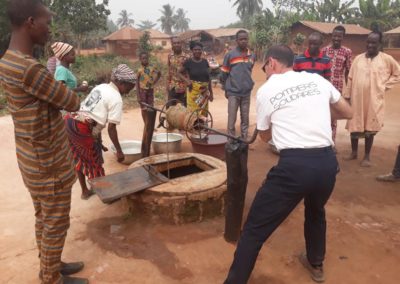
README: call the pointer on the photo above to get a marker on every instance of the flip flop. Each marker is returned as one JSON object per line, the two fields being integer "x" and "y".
{"x": 87, "y": 196}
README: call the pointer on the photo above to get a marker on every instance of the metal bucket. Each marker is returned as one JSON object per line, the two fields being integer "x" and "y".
{"x": 161, "y": 146}
{"x": 213, "y": 145}
{"x": 131, "y": 149}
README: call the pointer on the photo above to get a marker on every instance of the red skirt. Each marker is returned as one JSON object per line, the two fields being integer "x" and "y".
{"x": 86, "y": 150}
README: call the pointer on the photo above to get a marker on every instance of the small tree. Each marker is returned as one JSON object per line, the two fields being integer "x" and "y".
{"x": 144, "y": 43}
{"x": 298, "y": 42}
{"x": 82, "y": 17}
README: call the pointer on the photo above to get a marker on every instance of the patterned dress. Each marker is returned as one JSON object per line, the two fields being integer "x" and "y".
{"x": 341, "y": 63}
{"x": 175, "y": 63}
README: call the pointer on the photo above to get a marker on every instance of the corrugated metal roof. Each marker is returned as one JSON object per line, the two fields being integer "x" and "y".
{"x": 225, "y": 31}
{"x": 327, "y": 28}
{"x": 394, "y": 31}
{"x": 126, "y": 33}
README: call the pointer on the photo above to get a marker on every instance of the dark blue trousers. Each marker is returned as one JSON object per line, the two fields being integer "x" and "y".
{"x": 308, "y": 174}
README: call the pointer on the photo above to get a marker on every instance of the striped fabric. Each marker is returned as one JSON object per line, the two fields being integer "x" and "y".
{"x": 44, "y": 158}
{"x": 34, "y": 100}
{"x": 123, "y": 73}
{"x": 52, "y": 223}
{"x": 320, "y": 65}
{"x": 237, "y": 57}
{"x": 61, "y": 49}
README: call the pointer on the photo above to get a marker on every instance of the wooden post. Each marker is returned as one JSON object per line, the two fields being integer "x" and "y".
{"x": 236, "y": 155}
{"x": 148, "y": 131}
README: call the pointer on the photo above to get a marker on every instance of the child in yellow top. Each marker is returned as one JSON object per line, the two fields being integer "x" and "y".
{"x": 147, "y": 77}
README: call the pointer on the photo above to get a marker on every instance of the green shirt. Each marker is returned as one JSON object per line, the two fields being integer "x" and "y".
{"x": 64, "y": 74}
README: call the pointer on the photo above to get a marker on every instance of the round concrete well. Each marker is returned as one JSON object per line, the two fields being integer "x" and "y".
{"x": 195, "y": 189}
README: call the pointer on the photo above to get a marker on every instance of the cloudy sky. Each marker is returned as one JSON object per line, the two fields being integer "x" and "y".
{"x": 203, "y": 13}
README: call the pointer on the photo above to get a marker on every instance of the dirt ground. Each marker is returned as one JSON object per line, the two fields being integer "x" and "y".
{"x": 363, "y": 244}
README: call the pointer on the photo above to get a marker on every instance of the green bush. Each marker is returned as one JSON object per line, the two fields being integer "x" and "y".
{"x": 96, "y": 69}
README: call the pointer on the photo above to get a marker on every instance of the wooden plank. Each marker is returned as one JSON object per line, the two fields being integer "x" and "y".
{"x": 112, "y": 187}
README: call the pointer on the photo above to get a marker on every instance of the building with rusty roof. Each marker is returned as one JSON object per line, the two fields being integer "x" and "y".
{"x": 226, "y": 35}
{"x": 355, "y": 37}
{"x": 210, "y": 43}
{"x": 159, "y": 38}
{"x": 123, "y": 42}
{"x": 392, "y": 43}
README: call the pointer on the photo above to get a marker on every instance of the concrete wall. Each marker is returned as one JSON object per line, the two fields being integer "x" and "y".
{"x": 395, "y": 52}
{"x": 164, "y": 42}
{"x": 357, "y": 43}
{"x": 123, "y": 48}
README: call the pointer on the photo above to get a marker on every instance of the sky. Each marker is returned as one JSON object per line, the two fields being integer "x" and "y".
{"x": 204, "y": 14}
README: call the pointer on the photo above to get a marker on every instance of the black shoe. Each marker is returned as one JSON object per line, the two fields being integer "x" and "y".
{"x": 316, "y": 272}
{"x": 74, "y": 280}
{"x": 71, "y": 267}
{"x": 68, "y": 268}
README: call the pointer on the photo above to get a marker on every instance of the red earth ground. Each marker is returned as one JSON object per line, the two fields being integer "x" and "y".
{"x": 363, "y": 244}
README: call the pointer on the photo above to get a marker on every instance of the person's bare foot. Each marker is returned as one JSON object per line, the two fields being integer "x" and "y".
{"x": 365, "y": 163}
{"x": 352, "y": 156}
{"x": 87, "y": 194}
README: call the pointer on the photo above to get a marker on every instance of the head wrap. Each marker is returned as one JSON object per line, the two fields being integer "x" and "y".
{"x": 123, "y": 73}
{"x": 61, "y": 49}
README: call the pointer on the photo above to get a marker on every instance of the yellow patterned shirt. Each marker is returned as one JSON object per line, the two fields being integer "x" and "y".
{"x": 147, "y": 75}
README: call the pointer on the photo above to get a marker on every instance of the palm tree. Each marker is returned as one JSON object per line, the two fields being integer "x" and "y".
{"x": 125, "y": 19}
{"x": 181, "y": 22}
{"x": 246, "y": 9}
{"x": 146, "y": 25}
{"x": 167, "y": 19}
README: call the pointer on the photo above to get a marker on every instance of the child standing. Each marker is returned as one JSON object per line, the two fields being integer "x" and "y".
{"x": 147, "y": 77}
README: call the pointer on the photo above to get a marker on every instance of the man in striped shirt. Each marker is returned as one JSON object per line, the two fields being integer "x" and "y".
{"x": 313, "y": 60}
{"x": 237, "y": 82}
{"x": 34, "y": 101}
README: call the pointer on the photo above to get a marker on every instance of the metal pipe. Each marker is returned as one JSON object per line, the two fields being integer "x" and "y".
{"x": 152, "y": 107}
{"x": 250, "y": 141}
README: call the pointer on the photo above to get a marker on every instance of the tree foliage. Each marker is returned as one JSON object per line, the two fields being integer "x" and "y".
{"x": 167, "y": 18}
{"x": 380, "y": 14}
{"x": 181, "y": 21}
{"x": 146, "y": 25}
{"x": 246, "y": 9}
{"x": 4, "y": 28}
{"x": 337, "y": 11}
{"x": 79, "y": 17}
{"x": 125, "y": 19}
{"x": 144, "y": 43}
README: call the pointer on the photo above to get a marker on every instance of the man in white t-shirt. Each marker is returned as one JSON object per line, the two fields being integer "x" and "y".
{"x": 294, "y": 109}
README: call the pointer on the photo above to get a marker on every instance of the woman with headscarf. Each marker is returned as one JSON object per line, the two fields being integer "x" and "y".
{"x": 65, "y": 53}
{"x": 198, "y": 80}
{"x": 103, "y": 105}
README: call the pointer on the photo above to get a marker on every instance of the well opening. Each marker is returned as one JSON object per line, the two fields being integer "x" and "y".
{"x": 182, "y": 167}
